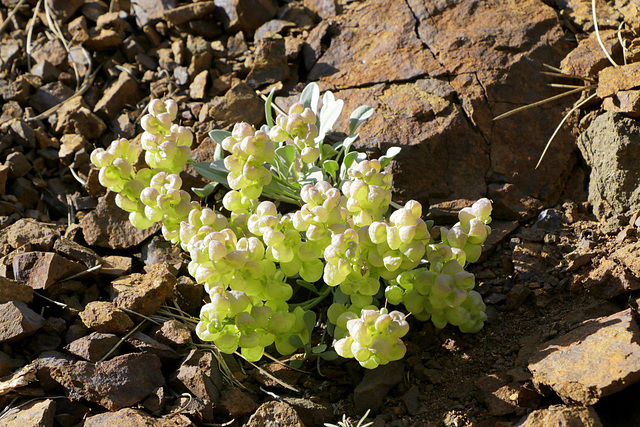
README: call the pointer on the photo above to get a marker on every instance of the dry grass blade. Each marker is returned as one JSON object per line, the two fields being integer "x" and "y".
{"x": 123, "y": 339}
{"x": 568, "y": 76}
{"x": 281, "y": 363}
{"x": 30, "y": 26}
{"x": 544, "y": 101}
{"x": 11, "y": 15}
{"x": 564, "y": 86}
{"x": 622, "y": 43}
{"x": 268, "y": 374}
{"x": 595, "y": 27}
{"x": 564, "y": 119}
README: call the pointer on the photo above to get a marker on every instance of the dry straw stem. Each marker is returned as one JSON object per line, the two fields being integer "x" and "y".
{"x": 11, "y": 15}
{"x": 595, "y": 26}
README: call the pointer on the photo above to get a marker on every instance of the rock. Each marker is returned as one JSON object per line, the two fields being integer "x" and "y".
{"x": 45, "y": 363}
{"x": 182, "y": 14}
{"x": 75, "y": 117}
{"x": 76, "y": 252}
{"x": 49, "y": 95}
{"x": 561, "y": 415}
{"x": 270, "y": 63}
{"x": 116, "y": 266}
{"x": 271, "y": 28}
{"x": 615, "y": 275}
{"x": 159, "y": 251}
{"x": 578, "y": 13}
{"x": 199, "y": 375}
{"x": 94, "y": 346}
{"x": 9, "y": 50}
{"x": 312, "y": 413}
{"x": 273, "y": 414}
{"x": 323, "y": 9}
{"x": 23, "y": 134}
{"x": 549, "y": 220}
{"x": 144, "y": 343}
{"x": 375, "y": 385}
{"x": 611, "y": 147}
{"x": 17, "y": 321}
{"x": 44, "y": 270}
{"x": 624, "y": 101}
{"x": 108, "y": 226}
{"x": 8, "y": 364}
{"x": 503, "y": 396}
{"x": 14, "y": 291}
{"x": 588, "y": 59}
{"x": 147, "y": 11}
{"x": 26, "y": 230}
{"x": 198, "y": 88}
{"x": 411, "y": 400}
{"x": 136, "y": 418}
{"x": 144, "y": 293}
{"x": 599, "y": 358}
{"x": 103, "y": 39}
{"x": 18, "y": 165}
{"x": 52, "y": 50}
{"x": 240, "y": 103}
{"x": 280, "y": 372}
{"x": 117, "y": 383}
{"x": 244, "y": 15}
{"x": 371, "y": 53}
{"x": 612, "y": 80}
{"x": 188, "y": 295}
{"x": 124, "y": 92}
{"x": 33, "y": 414}
{"x": 103, "y": 316}
{"x": 174, "y": 333}
{"x": 236, "y": 403}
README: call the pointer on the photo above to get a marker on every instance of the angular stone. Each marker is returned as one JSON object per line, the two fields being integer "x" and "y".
{"x": 240, "y": 103}
{"x": 136, "y": 418}
{"x": 108, "y": 226}
{"x": 313, "y": 413}
{"x": 275, "y": 413}
{"x": 270, "y": 63}
{"x": 18, "y": 321}
{"x": 45, "y": 363}
{"x": 561, "y": 415}
{"x": 52, "y": 51}
{"x": 76, "y": 252}
{"x": 144, "y": 343}
{"x": 324, "y": 9}
{"x": 236, "y": 402}
{"x": 199, "y": 375}
{"x": 105, "y": 39}
{"x": 371, "y": 53}
{"x": 624, "y": 101}
{"x": 14, "y": 291}
{"x": 186, "y": 13}
{"x": 117, "y": 383}
{"x": 94, "y": 346}
{"x": 612, "y": 80}
{"x": 43, "y": 270}
{"x": 271, "y": 28}
{"x": 198, "y": 88}
{"x": 611, "y": 147}
{"x": 103, "y": 316}
{"x": 26, "y": 230}
{"x": 244, "y": 15}
{"x": 174, "y": 333}
{"x": 116, "y": 266}
{"x": 595, "y": 360}
{"x": 75, "y": 117}
{"x": 18, "y": 165}
{"x": 147, "y": 11}
{"x": 144, "y": 293}
{"x": 124, "y": 92}
{"x": 375, "y": 385}
{"x": 36, "y": 414}
{"x": 49, "y": 96}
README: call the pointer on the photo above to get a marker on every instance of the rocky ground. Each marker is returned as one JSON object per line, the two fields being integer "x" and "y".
{"x": 89, "y": 331}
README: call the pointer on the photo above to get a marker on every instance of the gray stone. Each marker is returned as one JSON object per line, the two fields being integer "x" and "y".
{"x": 375, "y": 385}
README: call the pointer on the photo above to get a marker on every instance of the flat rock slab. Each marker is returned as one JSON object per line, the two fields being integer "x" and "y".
{"x": 136, "y": 418}
{"x": 36, "y": 414}
{"x": 117, "y": 383}
{"x": 597, "y": 359}
{"x": 104, "y": 317}
{"x": 18, "y": 321}
{"x": 43, "y": 270}
{"x": 108, "y": 226}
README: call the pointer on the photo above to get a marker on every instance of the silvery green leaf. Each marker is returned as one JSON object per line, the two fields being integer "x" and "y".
{"x": 218, "y": 153}
{"x": 340, "y": 297}
{"x": 296, "y": 364}
{"x": 213, "y": 171}
{"x": 205, "y": 191}
{"x": 314, "y": 175}
{"x": 268, "y": 113}
{"x": 358, "y": 116}
{"x": 309, "y": 320}
{"x": 286, "y": 154}
{"x": 328, "y": 151}
{"x": 310, "y": 97}
{"x": 348, "y": 142}
{"x": 331, "y": 167}
{"x": 390, "y": 154}
{"x": 346, "y": 164}
{"x": 329, "y": 355}
{"x": 331, "y": 109}
{"x": 218, "y": 135}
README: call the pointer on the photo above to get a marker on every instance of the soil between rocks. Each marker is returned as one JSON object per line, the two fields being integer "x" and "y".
{"x": 552, "y": 278}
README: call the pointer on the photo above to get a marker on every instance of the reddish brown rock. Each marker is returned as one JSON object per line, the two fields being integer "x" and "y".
{"x": 588, "y": 59}
{"x": 37, "y": 414}
{"x": 189, "y": 12}
{"x": 75, "y": 117}
{"x": 276, "y": 413}
{"x": 18, "y": 321}
{"x": 595, "y": 360}
{"x": 11, "y": 290}
{"x": 43, "y": 270}
{"x": 624, "y": 101}
{"x": 94, "y": 346}
{"x": 323, "y": 9}
{"x": 109, "y": 226}
{"x": 561, "y": 415}
{"x": 244, "y": 15}
{"x": 117, "y": 383}
{"x": 174, "y": 333}
{"x": 147, "y": 11}
{"x": 240, "y": 103}
{"x": 103, "y": 316}
{"x": 612, "y": 80}
{"x": 375, "y": 386}
{"x": 136, "y": 418}
{"x": 198, "y": 88}
{"x": 144, "y": 293}
{"x": 270, "y": 63}
{"x": 144, "y": 343}
{"x": 237, "y": 403}
{"x": 122, "y": 93}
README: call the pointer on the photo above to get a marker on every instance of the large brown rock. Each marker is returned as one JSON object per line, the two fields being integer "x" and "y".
{"x": 36, "y": 414}
{"x": 488, "y": 51}
{"x": 136, "y": 418}
{"x": 123, "y": 92}
{"x": 44, "y": 270}
{"x": 275, "y": 413}
{"x": 144, "y": 293}
{"x": 117, "y": 383}
{"x": 18, "y": 321}
{"x": 595, "y": 360}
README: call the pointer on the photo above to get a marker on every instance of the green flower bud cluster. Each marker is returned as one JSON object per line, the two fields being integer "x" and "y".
{"x": 443, "y": 293}
{"x": 374, "y": 338}
{"x": 300, "y": 127}
{"x": 200, "y": 222}
{"x": 400, "y": 242}
{"x": 250, "y": 150}
{"x": 471, "y": 231}
{"x": 368, "y": 192}
{"x": 232, "y": 320}
{"x": 116, "y": 164}
{"x": 167, "y": 145}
